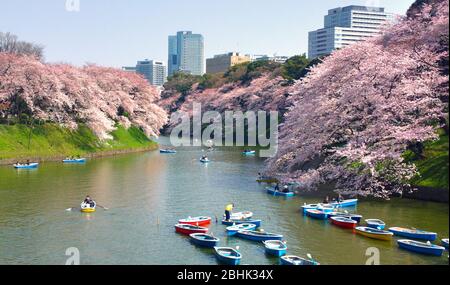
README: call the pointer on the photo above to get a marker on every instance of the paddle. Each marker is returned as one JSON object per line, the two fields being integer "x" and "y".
{"x": 104, "y": 208}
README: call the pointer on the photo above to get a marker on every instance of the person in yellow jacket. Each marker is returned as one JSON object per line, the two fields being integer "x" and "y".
{"x": 228, "y": 210}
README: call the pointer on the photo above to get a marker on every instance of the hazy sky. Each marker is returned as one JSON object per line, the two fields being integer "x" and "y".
{"x": 120, "y": 32}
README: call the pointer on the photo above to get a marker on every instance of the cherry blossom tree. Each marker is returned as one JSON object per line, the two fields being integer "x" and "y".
{"x": 96, "y": 96}
{"x": 356, "y": 113}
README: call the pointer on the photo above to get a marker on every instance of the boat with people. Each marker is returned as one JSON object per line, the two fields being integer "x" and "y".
{"x": 317, "y": 214}
{"x": 275, "y": 247}
{"x": 204, "y": 240}
{"x": 374, "y": 233}
{"x": 354, "y": 217}
{"x": 343, "y": 222}
{"x": 258, "y": 235}
{"x": 421, "y": 247}
{"x": 232, "y": 230}
{"x": 196, "y": 221}
{"x": 167, "y": 151}
{"x": 205, "y": 160}
{"x": 228, "y": 255}
{"x": 26, "y": 165}
{"x": 295, "y": 260}
{"x": 274, "y": 192}
{"x": 74, "y": 160}
{"x": 190, "y": 229}
{"x": 413, "y": 233}
{"x": 257, "y": 223}
{"x": 444, "y": 242}
{"x": 88, "y": 207}
{"x": 376, "y": 224}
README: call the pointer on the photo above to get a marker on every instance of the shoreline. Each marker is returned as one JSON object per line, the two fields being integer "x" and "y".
{"x": 93, "y": 155}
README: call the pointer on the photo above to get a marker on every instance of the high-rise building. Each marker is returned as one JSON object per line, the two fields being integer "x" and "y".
{"x": 222, "y": 62}
{"x": 345, "y": 26}
{"x": 129, "y": 68}
{"x": 186, "y": 53}
{"x": 154, "y": 71}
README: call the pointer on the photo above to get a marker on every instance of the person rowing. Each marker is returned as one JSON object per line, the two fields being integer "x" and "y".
{"x": 286, "y": 189}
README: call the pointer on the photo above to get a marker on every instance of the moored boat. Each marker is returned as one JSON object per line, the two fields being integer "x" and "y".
{"x": 345, "y": 203}
{"x": 421, "y": 247}
{"x": 238, "y": 222}
{"x": 295, "y": 260}
{"x": 76, "y": 160}
{"x": 204, "y": 240}
{"x": 88, "y": 207}
{"x": 354, "y": 217}
{"x": 374, "y": 233}
{"x": 190, "y": 229}
{"x": 444, "y": 242}
{"x": 228, "y": 255}
{"x": 258, "y": 235}
{"x": 274, "y": 192}
{"x": 275, "y": 247}
{"x": 376, "y": 224}
{"x": 413, "y": 233}
{"x": 343, "y": 222}
{"x": 306, "y": 207}
{"x": 26, "y": 166}
{"x": 196, "y": 221}
{"x": 241, "y": 215}
{"x": 316, "y": 214}
{"x": 167, "y": 151}
{"x": 232, "y": 230}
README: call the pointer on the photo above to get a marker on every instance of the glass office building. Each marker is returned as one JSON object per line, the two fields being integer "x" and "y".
{"x": 186, "y": 53}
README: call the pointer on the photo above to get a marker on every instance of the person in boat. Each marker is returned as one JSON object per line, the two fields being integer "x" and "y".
{"x": 286, "y": 189}
{"x": 28, "y": 162}
{"x": 340, "y": 199}
{"x": 277, "y": 187}
{"x": 326, "y": 200}
{"x": 228, "y": 210}
{"x": 88, "y": 200}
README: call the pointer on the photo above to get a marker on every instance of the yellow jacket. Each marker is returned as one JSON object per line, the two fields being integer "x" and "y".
{"x": 229, "y": 208}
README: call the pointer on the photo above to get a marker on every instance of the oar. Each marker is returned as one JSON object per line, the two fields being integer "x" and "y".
{"x": 104, "y": 208}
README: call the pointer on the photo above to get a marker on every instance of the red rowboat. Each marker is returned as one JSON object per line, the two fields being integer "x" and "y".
{"x": 197, "y": 221}
{"x": 190, "y": 229}
{"x": 343, "y": 222}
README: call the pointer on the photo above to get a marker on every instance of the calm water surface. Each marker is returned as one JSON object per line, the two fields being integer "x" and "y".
{"x": 147, "y": 193}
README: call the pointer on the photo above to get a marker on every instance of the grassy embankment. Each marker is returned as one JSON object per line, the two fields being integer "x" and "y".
{"x": 52, "y": 141}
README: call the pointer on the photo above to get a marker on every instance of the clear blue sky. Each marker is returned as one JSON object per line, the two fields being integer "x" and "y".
{"x": 119, "y": 32}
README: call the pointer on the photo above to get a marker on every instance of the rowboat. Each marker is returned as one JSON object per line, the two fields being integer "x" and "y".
{"x": 204, "y": 240}
{"x": 374, "y": 233}
{"x": 354, "y": 217}
{"x": 202, "y": 160}
{"x": 275, "y": 247}
{"x": 376, "y": 224}
{"x": 421, "y": 247}
{"x": 241, "y": 215}
{"x": 228, "y": 255}
{"x": 167, "y": 151}
{"x": 413, "y": 233}
{"x": 232, "y": 230}
{"x": 343, "y": 222}
{"x": 306, "y": 207}
{"x": 327, "y": 208}
{"x": 345, "y": 203}
{"x": 295, "y": 260}
{"x": 252, "y": 152}
{"x": 197, "y": 221}
{"x": 258, "y": 235}
{"x": 316, "y": 214}
{"x": 88, "y": 208}
{"x": 257, "y": 223}
{"x": 26, "y": 166}
{"x": 274, "y": 192}
{"x": 445, "y": 242}
{"x": 77, "y": 160}
{"x": 190, "y": 229}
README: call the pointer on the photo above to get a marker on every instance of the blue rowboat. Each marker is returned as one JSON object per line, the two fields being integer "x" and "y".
{"x": 258, "y": 235}
{"x": 249, "y": 153}
{"x": 232, "y": 230}
{"x": 228, "y": 255}
{"x": 275, "y": 247}
{"x": 167, "y": 151}
{"x": 274, "y": 192}
{"x": 26, "y": 166}
{"x": 413, "y": 233}
{"x": 327, "y": 208}
{"x": 345, "y": 203}
{"x": 421, "y": 247}
{"x": 78, "y": 160}
{"x": 316, "y": 214}
{"x": 445, "y": 242}
{"x": 306, "y": 207}
{"x": 239, "y": 222}
{"x": 376, "y": 224}
{"x": 354, "y": 217}
{"x": 204, "y": 240}
{"x": 295, "y": 260}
